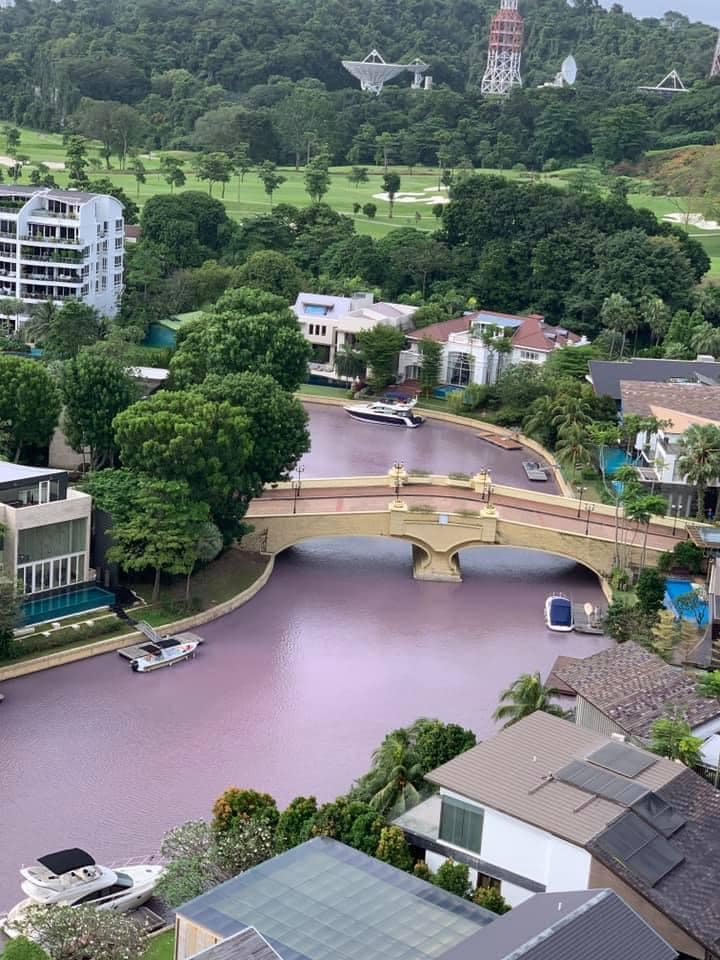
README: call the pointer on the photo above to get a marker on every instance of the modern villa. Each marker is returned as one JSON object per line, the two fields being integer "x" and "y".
{"x": 45, "y": 544}
{"x": 468, "y": 353}
{"x": 60, "y": 245}
{"x": 545, "y": 805}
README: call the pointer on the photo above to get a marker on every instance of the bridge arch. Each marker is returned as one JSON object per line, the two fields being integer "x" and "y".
{"x": 473, "y": 544}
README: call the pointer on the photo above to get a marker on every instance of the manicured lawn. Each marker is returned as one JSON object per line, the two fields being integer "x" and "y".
{"x": 318, "y": 390}
{"x": 161, "y": 947}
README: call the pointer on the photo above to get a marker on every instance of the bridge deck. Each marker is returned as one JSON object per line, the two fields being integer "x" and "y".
{"x": 328, "y": 500}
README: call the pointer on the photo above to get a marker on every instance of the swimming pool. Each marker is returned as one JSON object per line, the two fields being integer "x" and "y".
{"x": 614, "y": 458}
{"x": 65, "y": 604}
{"x": 673, "y": 589}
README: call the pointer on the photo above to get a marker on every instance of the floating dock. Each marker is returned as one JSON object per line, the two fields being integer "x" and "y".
{"x": 587, "y": 618}
{"x": 505, "y": 442}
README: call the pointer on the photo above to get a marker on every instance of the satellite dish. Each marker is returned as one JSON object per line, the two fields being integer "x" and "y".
{"x": 568, "y": 70}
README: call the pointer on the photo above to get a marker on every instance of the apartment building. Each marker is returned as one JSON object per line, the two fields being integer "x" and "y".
{"x": 45, "y": 535}
{"x": 60, "y": 245}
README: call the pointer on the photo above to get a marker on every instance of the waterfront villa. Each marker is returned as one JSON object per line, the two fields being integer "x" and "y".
{"x": 468, "y": 353}
{"x": 323, "y": 900}
{"x": 625, "y": 689}
{"x": 331, "y": 324}
{"x": 546, "y": 805}
{"x": 678, "y": 406}
{"x": 45, "y": 543}
{"x": 606, "y": 375}
{"x": 60, "y": 245}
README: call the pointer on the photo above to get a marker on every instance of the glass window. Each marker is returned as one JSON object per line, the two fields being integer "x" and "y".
{"x": 459, "y": 368}
{"x": 52, "y": 540}
{"x": 461, "y": 824}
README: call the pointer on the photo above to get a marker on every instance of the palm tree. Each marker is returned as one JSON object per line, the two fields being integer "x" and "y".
{"x": 656, "y": 315}
{"x": 523, "y": 697}
{"x": 574, "y": 446}
{"x": 618, "y": 315}
{"x": 538, "y": 422}
{"x": 699, "y": 462}
{"x": 395, "y": 771}
{"x": 642, "y": 509}
{"x": 706, "y": 339}
{"x": 570, "y": 411}
{"x": 41, "y": 319}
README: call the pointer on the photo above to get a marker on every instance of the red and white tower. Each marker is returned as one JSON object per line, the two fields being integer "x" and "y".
{"x": 504, "y": 50}
{"x": 715, "y": 69}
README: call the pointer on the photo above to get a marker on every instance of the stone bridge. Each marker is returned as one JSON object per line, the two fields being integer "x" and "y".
{"x": 440, "y": 516}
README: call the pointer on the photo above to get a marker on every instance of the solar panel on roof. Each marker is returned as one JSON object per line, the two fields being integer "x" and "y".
{"x": 636, "y": 845}
{"x": 660, "y": 815}
{"x": 602, "y": 783}
{"x": 620, "y": 758}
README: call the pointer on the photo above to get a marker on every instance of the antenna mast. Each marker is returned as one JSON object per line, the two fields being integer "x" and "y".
{"x": 715, "y": 69}
{"x": 504, "y": 50}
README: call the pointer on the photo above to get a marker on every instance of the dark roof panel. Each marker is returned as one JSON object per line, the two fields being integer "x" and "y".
{"x": 620, "y": 758}
{"x": 246, "y": 945}
{"x": 641, "y": 849}
{"x": 659, "y": 814}
{"x": 600, "y": 782}
{"x": 607, "y": 374}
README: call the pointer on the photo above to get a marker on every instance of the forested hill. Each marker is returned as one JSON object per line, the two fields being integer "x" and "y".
{"x": 110, "y": 49}
{"x": 211, "y": 74}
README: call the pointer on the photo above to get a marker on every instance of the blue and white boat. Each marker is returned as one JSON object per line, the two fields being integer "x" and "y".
{"x": 558, "y": 613}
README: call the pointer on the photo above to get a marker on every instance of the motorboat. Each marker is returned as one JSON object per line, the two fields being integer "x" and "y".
{"x": 163, "y": 652}
{"x": 72, "y": 877}
{"x": 398, "y": 413}
{"x": 534, "y": 470}
{"x": 558, "y": 613}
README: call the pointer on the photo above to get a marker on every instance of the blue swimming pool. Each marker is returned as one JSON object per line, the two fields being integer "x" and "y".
{"x": 614, "y": 458}
{"x": 66, "y": 604}
{"x": 159, "y": 335}
{"x": 673, "y": 589}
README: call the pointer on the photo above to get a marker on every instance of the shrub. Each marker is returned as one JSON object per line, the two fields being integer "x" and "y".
{"x": 393, "y": 849}
{"x": 453, "y": 877}
{"x": 650, "y": 590}
{"x": 688, "y": 556}
{"x": 295, "y": 823}
{"x": 235, "y": 804}
{"x": 491, "y": 899}
{"x": 422, "y": 508}
{"x": 455, "y": 475}
{"x": 709, "y": 684}
{"x": 475, "y": 395}
{"x": 419, "y": 473}
{"x": 422, "y": 871}
{"x": 456, "y": 403}
{"x": 23, "y": 949}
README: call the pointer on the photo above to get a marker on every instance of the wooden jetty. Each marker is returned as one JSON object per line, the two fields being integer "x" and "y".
{"x": 587, "y": 618}
{"x": 507, "y": 443}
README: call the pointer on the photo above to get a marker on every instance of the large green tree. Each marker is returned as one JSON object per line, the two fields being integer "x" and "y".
{"x": 29, "y": 403}
{"x": 273, "y": 272}
{"x": 699, "y": 462}
{"x": 182, "y": 436}
{"x": 247, "y": 330}
{"x": 380, "y": 347}
{"x": 94, "y": 390}
{"x": 75, "y": 326}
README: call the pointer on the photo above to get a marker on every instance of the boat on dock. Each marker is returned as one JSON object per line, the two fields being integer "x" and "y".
{"x": 534, "y": 470}
{"x": 389, "y": 411}
{"x": 71, "y": 877}
{"x": 559, "y": 613}
{"x": 159, "y": 651}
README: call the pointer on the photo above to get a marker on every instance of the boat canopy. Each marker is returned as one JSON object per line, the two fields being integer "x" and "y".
{"x": 561, "y": 612}
{"x": 66, "y": 860}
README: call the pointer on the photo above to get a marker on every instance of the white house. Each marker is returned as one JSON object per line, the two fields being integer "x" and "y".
{"x": 45, "y": 544}
{"x": 60, "y": 245}
{"x": 468, "y": 357}
{"x": 331, "y": 323}
{"x": 545, "y": 805}
{"x": 678, "y": 406}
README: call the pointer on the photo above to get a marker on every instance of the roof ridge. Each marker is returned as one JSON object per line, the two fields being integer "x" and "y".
{"x": 559, "y": 923}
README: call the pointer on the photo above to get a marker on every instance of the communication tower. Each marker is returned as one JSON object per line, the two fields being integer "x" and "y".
{"x": 504, "y": 50}
{"x": 715, "y": 69}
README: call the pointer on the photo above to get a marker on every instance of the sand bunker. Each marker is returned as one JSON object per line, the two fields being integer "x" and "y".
{"x": 692, "y": 220}
{"x": 407, "y": 197}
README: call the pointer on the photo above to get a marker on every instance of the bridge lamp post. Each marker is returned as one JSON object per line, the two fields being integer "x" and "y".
{"x": 589, "y": 508}
{"x": 398, "y": 469}
{"x": 296, "y": 485}
{"x": 581, "y": 491}
{"x": 675, "y": 511}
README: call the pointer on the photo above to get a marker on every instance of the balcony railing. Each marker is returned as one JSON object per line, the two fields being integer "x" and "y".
{"x": 8, "y": 233}
{"x": 55, "y": 214}
{"x": 51, "y": 241}
{"x": 56, "y": 256}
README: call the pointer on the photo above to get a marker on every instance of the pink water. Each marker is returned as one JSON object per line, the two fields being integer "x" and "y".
{"x": 291, "y": 693}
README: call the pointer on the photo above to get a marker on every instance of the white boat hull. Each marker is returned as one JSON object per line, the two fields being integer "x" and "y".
{"x": 144, "y": 876}
{"x": 554, "y": 625}
{"x": 392, "y": 419}
{"x": 169, "y": 657}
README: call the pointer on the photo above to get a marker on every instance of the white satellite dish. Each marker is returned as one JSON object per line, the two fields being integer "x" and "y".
{"x": 568, "y": 70}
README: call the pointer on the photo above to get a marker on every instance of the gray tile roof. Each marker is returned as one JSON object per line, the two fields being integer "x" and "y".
{"x": 325, "y": 901}
{"x": 607, "y": 374}
{"x": 633, "y": 687}
{"x": 246, "y": 945}
{"x": 586, "y": 925}
{"x": 696, "y": 399}
{"x": 17, "y": 473}
{"x": 688, "y": 894}
{"x": 511, "y": 772}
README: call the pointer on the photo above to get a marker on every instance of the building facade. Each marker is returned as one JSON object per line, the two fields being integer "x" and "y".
{"x": 46, "y": 529}
{"x": 60, "y": 245}
{"x": 478, "y": 346}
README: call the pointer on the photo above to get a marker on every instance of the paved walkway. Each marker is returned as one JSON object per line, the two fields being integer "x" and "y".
{"x": 453, "y": 499}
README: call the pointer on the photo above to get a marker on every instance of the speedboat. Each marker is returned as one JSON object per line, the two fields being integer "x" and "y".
{"x": 398, "y": 413}
{"x": 558, "y": 613}
{"x": 163, "y": 652}
{"x": 71, "y": 877}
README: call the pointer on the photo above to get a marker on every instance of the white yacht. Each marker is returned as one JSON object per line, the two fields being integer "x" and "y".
{"x": 558, "y": 613}
{"x": 398, "y": 413}
{"x": 163, "y": 652}
{"x": 71, "y": 877}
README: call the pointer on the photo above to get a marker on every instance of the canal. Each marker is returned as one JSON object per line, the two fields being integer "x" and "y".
{"x": 292, "y": 692}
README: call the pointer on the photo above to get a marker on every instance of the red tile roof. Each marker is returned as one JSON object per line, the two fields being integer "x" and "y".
{"x": 535, "y": 334}
{"x": 441, "y": 331}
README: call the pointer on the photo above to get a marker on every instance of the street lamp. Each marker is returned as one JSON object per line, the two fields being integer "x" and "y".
{"x": 675, "y": 511}
{"x": 398, "y": 468}
{"x": 581, "y": 491}
{"x": 296, "y": 486}
{"x": 589, "y": 508}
